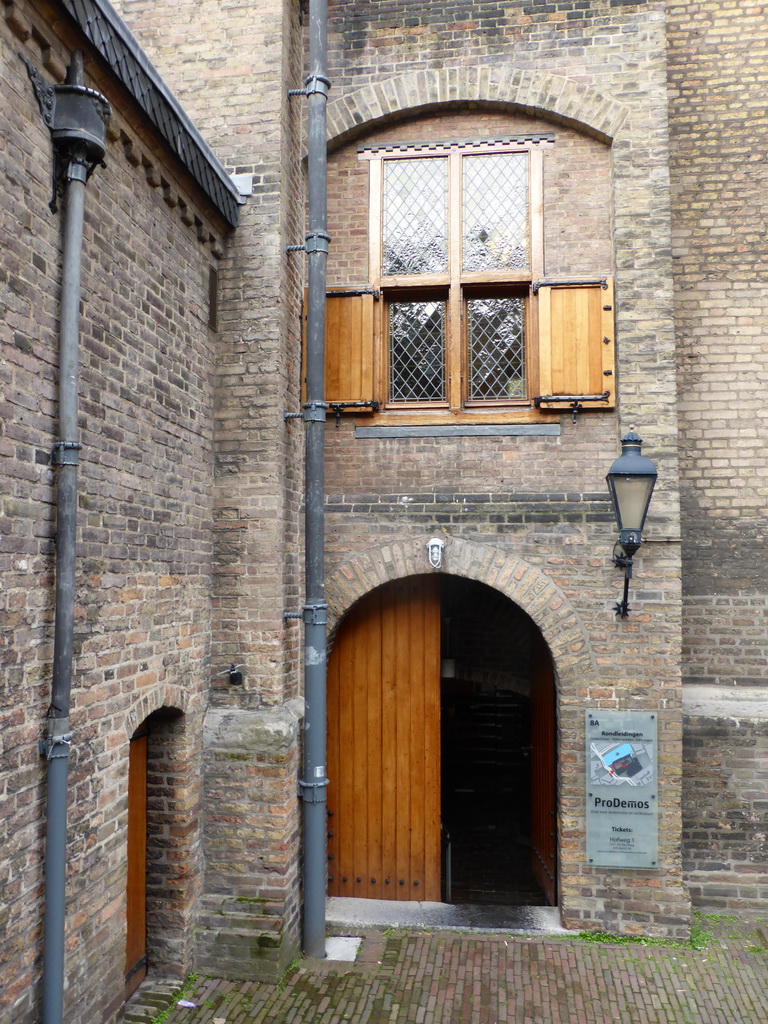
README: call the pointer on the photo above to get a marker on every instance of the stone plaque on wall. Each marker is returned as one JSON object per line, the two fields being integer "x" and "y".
{"x": 622, "y": 789}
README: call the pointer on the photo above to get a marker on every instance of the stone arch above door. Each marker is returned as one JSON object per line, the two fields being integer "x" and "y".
{"x": 167, "y": 696}
{"x": 522, "y": 583}
{"x": 537, "y": 93}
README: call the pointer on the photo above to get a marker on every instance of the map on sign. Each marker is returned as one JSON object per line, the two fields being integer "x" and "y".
{"x": 614, "y": 764}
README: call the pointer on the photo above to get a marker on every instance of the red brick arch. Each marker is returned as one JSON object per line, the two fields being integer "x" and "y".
{"x": 168, "y": 697}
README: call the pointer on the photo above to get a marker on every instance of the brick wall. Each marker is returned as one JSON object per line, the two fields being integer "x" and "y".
{"x": 594, "y": 77}
{"x": 717, "y": 54}
{"x": 726, "y": 799}
{"x": 232, "y": 73}
{"x": 145, "y": 507}
{"x": 174, "y": 849}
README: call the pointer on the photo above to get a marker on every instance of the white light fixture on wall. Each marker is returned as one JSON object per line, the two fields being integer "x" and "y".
{"x": 435, "y": 553}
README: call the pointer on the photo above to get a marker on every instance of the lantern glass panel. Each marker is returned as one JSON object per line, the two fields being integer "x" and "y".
{"x": 632, "y": 497}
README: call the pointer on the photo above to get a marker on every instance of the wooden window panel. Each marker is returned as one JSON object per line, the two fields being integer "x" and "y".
{"x": 576, "y": 342}
{"x": 536, "y": 193}
{"x": 349, "y": 348}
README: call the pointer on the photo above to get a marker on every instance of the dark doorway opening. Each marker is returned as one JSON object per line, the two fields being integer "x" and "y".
{"x": 498, "y": 778}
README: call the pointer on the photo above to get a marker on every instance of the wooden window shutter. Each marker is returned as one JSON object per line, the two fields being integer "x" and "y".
{"x": 349, "y": 348}
{"x": 576, "y": 343}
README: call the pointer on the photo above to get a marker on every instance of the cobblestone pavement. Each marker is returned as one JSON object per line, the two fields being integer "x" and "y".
{"x": 446, "y": 978}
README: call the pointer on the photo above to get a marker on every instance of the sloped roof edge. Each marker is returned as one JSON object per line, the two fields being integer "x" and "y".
{"x": 106, "y": 30}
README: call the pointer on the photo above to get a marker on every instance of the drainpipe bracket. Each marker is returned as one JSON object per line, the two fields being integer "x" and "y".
{"x": 312, "y": 85}
{"x": 65, "y": 453}
{"x": 55, "y": 746}
{"x": 315, "y": 614}
{"x": 311, "y": 614}
{"x": 314, "y": 412}
{"x": 316, "y": 241}
{"x": 78, "y": 168}
{"x": 313, "y": 792}
{"x": 317, "y": 83}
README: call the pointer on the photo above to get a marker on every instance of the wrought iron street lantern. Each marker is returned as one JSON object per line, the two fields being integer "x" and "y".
{"x": 630, "y": 480}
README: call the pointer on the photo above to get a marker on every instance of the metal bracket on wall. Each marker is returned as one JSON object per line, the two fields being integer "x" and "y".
{"x": 313, "y": 792}
{"x": 44, "y": 92}
{"x": 572, "y": 282}
{"x": 311, "y": 614}
{"x": 341, "y": 292}
{"x": 234, "y": 673}
{"x": 574, "y": 401}
{"x": 65, "y": 453}
{"x": 339, "y": 407}
{"x": 313, "y": 84}
{"x": 315, "y": 241}
{"x": 55, "y": 746}
{"x": 314, "y": 412}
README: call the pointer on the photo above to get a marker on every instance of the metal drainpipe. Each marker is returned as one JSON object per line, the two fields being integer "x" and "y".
{"x": 59, "y": 736}
{"x": 313, "y": 784}
{"x": 77, "y": 118}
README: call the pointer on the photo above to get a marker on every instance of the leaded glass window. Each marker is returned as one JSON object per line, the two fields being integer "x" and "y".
{"x": 495, "y": 212}
{"x": 454, "y": 223}
{"x": 417, "y": 351}
{"x": 496, "y": 342}
{"x": 415, "y": 217}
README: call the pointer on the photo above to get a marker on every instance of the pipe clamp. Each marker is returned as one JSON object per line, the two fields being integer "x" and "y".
{"x": 314, "y": 412}
{"x": 313, "y": 792}
{"x": 65, "y": 453}
{"x": 55, "y": 746}
{"x": 315, "y": 614}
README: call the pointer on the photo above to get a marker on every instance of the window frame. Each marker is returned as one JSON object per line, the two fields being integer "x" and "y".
{"x": 457, "y": 285}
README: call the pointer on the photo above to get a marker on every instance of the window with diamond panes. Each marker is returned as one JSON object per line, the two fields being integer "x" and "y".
{"x": 417, "y": 351}
{"x": 495, "y": 212}
{"x": 415, "y": 217}
{"x": 457, "y": 314}
{"x": 496, "y": 344}
{"x": 451, "y": 220}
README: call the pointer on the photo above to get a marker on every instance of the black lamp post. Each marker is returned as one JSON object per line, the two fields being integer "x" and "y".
{"x": 630, "y": 484}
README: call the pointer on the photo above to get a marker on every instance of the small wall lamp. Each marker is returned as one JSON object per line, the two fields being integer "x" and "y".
{"x": 435, "y": 549}
{"x": 630, "y": 480}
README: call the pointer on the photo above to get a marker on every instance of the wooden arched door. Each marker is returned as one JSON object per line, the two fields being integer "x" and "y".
{"x": 136, "y": 886}
{"x": 384, "y": 745}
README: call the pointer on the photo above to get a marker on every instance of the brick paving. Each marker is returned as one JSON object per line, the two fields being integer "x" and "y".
{"x": 441, "y": 977}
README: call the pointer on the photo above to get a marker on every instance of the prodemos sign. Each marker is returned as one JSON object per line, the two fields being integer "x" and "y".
{"x": 622, "y": 789}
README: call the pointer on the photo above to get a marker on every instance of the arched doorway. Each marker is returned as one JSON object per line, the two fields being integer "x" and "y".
{"x": 441, "y": 748}
{"x": 162, "y": 852}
